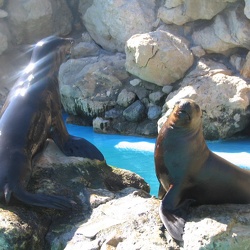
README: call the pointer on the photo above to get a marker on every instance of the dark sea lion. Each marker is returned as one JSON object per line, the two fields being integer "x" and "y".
{"x": 31, "y": 114}
{"x": 189, "y": 173}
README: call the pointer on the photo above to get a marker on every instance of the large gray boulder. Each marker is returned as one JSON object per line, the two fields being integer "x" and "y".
{"x": 90, "y": 86}
{"x": 32, "y": 20}
{"x": 230, "y": 29}
{"x": 112, "y": 23}
{"x": 158, "y": 57}
{"x": 223, "y": 97}
{"x": 180, "y": 12}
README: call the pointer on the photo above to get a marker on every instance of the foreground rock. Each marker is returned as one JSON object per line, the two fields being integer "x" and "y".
{"x": 223, "y": 98}
{"x": 113, "y": 211}
{"x": 25, "y": 227}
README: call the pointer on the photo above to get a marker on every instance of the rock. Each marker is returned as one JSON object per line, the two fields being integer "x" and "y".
{"x": 217, "y": 227}
{"x": 237, "y": 61}
{"x": 90, "y": 86}
{"x": 223, "y": 97}
{"x": 105, "y": 21}
{"x": 135, "y": 82}
{"x": 157, "y": 97}
{"x": 135, "y": 112}
{"x": 32, "y": 20}
{"x": 198, "y": 51}
{"x": 229, "y": 30}
{"x": 158, "y": 57}
{"x": 114, "y": 211}
{"x": 100, "y": 125}
{"x": 3, "y": 13}
{"x": 181, "y": 12}
{"x": 113, "y": 113}
{"x": 131, "y": 221}
{"x": 167, "y": 89}
{"x": 245, "y": 71}
{"x": 154, "y": 112}
{"x": 3, "y": 43}
{"x": 247, "y": 9}
{"x": 25, "y": 227}
{"x": 85, "y": 49}
{"x": 125, "y": 98}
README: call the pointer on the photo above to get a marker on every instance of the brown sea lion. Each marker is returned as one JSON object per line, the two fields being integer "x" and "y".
{"x": 31, "y": 114}
{"x": 189, "y": 173}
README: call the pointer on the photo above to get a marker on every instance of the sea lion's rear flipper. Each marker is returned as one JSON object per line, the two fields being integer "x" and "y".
{"x": 43, "y": 200}
{"x": 71, "y": 145}
{"x": 173, "y": 214}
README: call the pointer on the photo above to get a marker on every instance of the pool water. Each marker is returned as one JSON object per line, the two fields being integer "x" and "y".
{"x": 137, "y": 153}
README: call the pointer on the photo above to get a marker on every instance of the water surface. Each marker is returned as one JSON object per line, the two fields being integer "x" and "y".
{"x": 137, "y": 153}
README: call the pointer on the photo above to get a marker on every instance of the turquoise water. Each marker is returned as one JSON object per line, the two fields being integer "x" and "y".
{"x": 137, "y": 153}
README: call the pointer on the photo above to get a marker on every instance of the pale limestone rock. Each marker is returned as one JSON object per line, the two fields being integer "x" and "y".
{"x": 32, "y": 20}
{"x": 85, "y": 49}
{"x": 237, "y": 61}
{"x": 3, "y": 13}
{"x": 181, "y": 12}
{"x": 223, "y": 97}
{"x": 3, "y": 43}
{"x": 135, "y": 82}
{"x": 158, "y": 57}
{"x": 112, "y": 23}
{"x": 229, "y": 30}
{"x": 247, "y": 9}
{"x": 245, "y": 71}
{"x": 198, "y": 51}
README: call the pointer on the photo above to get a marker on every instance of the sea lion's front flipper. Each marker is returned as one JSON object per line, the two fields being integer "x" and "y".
{"x": 173, "y": 213}
{"x": 72, "y": 145}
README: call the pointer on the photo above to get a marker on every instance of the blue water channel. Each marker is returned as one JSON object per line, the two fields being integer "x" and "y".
{"x": 137, "y": 153}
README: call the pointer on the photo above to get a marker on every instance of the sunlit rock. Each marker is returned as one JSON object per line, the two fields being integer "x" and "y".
{"x": 32, "y": 20}
{"x": 223, "y": 98}
{"x": 112, "y": 23}
{"x": 158, "y": 57}
{"x": 230, "y": 29}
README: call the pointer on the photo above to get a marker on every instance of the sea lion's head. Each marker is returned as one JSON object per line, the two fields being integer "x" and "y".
{"x": 52, "y": 45}
{"x": 186, "y": 113}
{"x": 48, "y": 54}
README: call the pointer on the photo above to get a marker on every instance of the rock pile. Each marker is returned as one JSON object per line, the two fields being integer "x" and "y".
{"x": 132, "y": 51}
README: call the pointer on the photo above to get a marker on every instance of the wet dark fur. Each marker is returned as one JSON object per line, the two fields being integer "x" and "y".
{"x": 30, "y": 115}
{"x": 189, "y": 173}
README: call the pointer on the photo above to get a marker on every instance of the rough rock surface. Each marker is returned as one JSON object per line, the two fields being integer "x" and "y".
{"x": 223, "y": 97}
{"x": 90, "y": 86}
{"x": 105, "y": 20}
{"x": 148, "y": 57}
{"x": 180, "y": 12}
{"x": 25, "y": 227}
{"x": 230, "y": 29}
{"x": 32, "y": 20}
